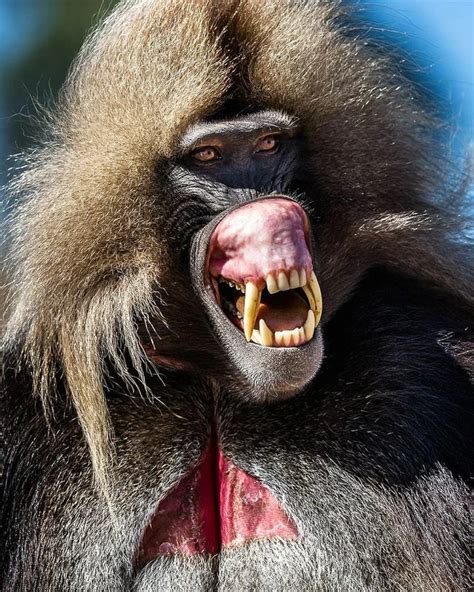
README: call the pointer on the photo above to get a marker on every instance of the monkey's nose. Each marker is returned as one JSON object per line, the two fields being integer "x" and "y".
{"x": 262, "y": 238}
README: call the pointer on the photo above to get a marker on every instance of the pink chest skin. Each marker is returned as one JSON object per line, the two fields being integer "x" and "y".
{"x": 213, "y": 507}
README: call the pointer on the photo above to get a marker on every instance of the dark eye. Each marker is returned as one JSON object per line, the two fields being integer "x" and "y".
{"x": 268, "y": 144}
{"x": 206, "y": 154}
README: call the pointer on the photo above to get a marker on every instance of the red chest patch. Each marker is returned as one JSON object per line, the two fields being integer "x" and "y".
{"x": 214, "y": 506}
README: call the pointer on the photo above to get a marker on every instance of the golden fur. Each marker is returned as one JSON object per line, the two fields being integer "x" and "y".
{"x": 87, "y": 254}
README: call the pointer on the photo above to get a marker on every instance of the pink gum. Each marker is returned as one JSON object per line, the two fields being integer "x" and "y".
{"x": 262, "y": 237}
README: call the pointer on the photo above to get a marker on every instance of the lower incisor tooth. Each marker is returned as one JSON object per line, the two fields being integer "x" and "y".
{"x": 287, "y": 335}
{"x": 295, "y": 334}
{"x": 279, "y": 338}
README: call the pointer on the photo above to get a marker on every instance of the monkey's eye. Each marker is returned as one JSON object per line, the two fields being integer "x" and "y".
{"x": 205, "y": 154}
{"x": 268, "y": 144}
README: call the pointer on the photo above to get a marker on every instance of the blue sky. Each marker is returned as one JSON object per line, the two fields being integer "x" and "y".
{"x": 440, "y": 35}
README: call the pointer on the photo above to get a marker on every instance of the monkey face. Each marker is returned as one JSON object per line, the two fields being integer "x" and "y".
{"x": 253, "y": 264}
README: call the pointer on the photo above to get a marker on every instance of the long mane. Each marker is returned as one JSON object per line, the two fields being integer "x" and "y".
{"x": 87, "y": 244}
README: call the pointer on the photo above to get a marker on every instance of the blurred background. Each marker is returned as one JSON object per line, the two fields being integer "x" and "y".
{"x": 39, "y": 38}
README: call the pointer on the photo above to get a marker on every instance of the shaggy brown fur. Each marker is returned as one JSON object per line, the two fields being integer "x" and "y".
{"x": 98, "y": 150}
{"x": 91, "y": 253}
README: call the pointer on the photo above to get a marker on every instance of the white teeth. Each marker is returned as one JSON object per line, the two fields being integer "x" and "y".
{"x": 290, "y": 338}
{"x": 266, "y": 334}
{"x": 252, "y": 302}
{"x": 272, "y": 285}
{"x": 287, "y": 335}
{"x": 295, "y": 336}
{"x": 279, "y": 337}
{"x": 309, "y": 326}
{"x": 302, "y": 277}
{"x": 294, "y": 279}
{"x": 283, "y": 281}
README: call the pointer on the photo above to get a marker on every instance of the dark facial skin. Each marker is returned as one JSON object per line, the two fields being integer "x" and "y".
{"x": 255, "y": 152}
{"x": 225, "y": 165}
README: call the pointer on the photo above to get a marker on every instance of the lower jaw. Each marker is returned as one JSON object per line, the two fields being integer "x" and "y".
{"x": 270, "y": 373}
{"x": 267, "y": 373}
{"x": 273, "y": 372}
{"x": 261, "y": 375}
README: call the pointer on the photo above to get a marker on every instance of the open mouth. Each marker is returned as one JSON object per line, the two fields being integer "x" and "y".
{"x": 261, "y": 272}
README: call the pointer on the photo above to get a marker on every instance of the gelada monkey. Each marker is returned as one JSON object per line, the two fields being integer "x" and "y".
{"x": 237, "y": 356}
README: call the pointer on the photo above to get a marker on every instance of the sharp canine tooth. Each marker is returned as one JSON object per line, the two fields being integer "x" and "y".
{"x": 303, "y": 279}
{"x": 316, "y": 290}
{"x": 252, "y": 302}
{"x": 256, "y": 337}
{"x": 309, "y": 326}
{"x": 272, "y": 285}
{"x": 294, "y": 279}
{"x": 287, "y": 335}
{"x": 265, "y": 333}
{"x": 283, "y": 281}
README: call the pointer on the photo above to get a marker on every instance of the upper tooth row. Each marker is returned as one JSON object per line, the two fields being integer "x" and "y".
{"x": 282, "y": 282}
